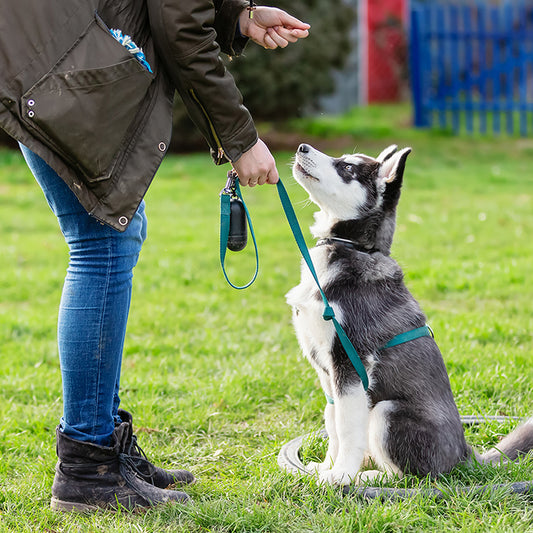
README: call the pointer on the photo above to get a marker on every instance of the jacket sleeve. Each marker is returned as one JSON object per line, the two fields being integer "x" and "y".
{"x": 187, "y": 42}
{"x": 226, "y": 25}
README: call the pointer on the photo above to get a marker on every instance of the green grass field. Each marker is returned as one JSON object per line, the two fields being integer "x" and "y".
{"x": 214, "y": 376}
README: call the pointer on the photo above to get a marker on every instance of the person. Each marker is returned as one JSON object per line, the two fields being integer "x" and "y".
{"x": 87, "y": 88}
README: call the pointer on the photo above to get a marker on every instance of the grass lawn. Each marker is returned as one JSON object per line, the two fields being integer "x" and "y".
{"x": 214, "y": 376}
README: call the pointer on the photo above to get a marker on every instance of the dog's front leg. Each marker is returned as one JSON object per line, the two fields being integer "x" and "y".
{"x": 333, "y": 442}
{"x": 351, "y": 425}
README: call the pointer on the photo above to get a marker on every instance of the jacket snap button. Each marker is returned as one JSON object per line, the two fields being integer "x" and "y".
{"x": 162, "y": 147}
{"x": 123, "y": 221}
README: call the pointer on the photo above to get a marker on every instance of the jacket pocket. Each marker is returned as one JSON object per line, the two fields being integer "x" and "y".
{"x": 84, "y": 107}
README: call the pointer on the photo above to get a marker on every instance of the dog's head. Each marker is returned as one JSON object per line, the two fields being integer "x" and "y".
{"x": 357, "y": 194}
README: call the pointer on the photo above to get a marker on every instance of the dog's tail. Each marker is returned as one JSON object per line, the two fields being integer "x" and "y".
{"x": 517, "y": 443}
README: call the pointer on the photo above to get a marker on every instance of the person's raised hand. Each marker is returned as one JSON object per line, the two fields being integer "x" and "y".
{"x": 256, "y": 166}
{"x": 271, "y": 27}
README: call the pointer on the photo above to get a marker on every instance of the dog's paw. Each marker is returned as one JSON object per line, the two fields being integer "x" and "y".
{"x": 314, "y": 468}
{"x": 336, "y": 476}
{"x": 368, "y": 476}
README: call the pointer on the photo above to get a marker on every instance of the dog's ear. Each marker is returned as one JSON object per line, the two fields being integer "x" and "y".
{"x": 393, "y": 166}
{"x": 391, "y": 172}
{"x": 387, "y": 153}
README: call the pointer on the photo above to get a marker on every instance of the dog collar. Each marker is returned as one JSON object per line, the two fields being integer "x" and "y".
{"x": 346, "y": 242}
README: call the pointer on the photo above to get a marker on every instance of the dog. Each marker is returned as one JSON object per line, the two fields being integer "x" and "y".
{"x": 407, "y": 420}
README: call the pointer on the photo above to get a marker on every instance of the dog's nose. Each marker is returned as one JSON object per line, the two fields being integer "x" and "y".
{"x": 304, "y": 148}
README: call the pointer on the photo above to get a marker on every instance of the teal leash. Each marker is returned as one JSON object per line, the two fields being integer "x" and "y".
{"x": 235, "y": 192}
{"x": 328, "y": 314}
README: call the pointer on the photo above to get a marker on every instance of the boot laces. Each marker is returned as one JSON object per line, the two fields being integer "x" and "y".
{"x": 135, "y": 449}
{"x": 134, "y": 463}
{"x": 134, "y": 457}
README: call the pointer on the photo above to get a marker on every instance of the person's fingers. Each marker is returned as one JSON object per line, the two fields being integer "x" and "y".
{"x": 263, "y": 179}
{"x": 269, "y": 42}
{"x": 273, "y": 176}
{"x": 244, "y": 175}
{"x": 270, "y": 177}
{"x": 290, "y": 35}
{"x": 299, "y": 34}
{"x": 292, "y": 22}
{"x": 286, "y": 34}
{"x": 277, "y": 37}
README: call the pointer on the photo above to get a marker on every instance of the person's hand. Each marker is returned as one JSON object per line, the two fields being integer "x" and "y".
{"x": 271, "y": 27}
{"x": 256, "y": 166}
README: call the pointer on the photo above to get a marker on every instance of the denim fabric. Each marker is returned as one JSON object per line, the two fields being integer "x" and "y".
{"x": 94, "y": 308}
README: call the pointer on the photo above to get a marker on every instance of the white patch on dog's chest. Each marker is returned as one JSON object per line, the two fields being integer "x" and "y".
{"x": 315, "y": 335}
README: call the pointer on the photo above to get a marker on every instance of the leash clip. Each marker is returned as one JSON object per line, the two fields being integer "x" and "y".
{"x": 231, "y": 187}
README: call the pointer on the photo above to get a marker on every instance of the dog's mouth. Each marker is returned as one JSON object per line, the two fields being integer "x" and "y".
{"x": 299, "y": 169}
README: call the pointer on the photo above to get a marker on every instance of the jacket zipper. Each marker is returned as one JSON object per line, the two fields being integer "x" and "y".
{"x": 220, "y": 149}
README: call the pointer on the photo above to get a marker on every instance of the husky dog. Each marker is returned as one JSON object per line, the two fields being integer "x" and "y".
{"x": 407, "y": 420}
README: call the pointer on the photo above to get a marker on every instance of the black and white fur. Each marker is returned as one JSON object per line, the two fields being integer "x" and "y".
{"x": 407, "y": 421}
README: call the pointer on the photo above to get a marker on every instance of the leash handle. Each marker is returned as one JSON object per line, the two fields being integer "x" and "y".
{"x": 225, "y": 213}
{"x": 328, "y": 314}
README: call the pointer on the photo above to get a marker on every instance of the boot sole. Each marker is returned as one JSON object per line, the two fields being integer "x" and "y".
{"x": 69, "y": 507}
{"x": 73, "y": 507}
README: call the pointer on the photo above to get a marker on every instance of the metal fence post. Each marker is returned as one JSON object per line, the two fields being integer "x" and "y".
{"x": 416, "y": 65}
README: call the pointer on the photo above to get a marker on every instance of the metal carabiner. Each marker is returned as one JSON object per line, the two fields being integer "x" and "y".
{"x": 230, "y": 187}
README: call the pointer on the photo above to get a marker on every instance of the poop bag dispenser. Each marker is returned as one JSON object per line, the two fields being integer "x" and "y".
{"x": 238, "y": 227}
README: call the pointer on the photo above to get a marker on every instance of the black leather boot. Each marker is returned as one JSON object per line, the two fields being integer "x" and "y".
{"x": 90, "y": 477}
{"x": 144, "y": 468}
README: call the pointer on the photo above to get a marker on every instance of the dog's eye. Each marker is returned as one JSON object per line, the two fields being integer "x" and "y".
{"x": 349, "y": 168}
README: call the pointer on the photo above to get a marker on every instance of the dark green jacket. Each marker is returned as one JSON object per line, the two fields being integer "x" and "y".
{"x": 76, "y": 97}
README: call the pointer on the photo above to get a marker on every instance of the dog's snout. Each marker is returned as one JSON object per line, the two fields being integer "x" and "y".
{"x": 304, "y": 148}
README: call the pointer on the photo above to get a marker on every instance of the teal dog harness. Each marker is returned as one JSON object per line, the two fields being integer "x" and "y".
{"x": 328, "y": 314}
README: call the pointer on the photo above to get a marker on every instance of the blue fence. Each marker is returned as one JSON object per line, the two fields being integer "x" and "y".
{"x": 472, "y": 65}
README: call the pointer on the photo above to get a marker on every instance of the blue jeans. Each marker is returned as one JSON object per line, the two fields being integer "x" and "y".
{"x": 94, "y": 308}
